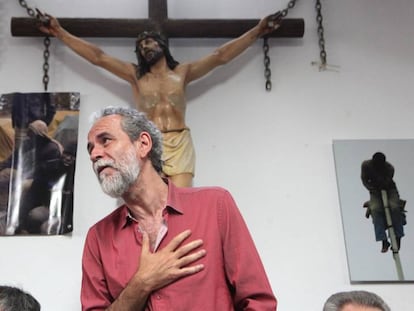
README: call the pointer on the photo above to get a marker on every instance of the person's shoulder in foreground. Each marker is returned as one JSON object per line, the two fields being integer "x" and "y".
{"x": 15, "y": 299}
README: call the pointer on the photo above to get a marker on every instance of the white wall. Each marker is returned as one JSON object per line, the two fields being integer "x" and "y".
{"x": 273, "y": 151}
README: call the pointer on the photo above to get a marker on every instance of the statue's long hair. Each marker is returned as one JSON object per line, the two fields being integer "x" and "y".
{"x": 143, "y": 66}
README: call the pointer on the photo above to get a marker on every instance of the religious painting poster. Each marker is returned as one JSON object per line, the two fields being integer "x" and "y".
{"x": 38, "y": 144}
{"x": 373, "y": 231}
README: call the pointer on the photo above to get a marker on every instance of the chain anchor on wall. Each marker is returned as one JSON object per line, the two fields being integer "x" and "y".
{"x": 275, "y": 18}
{"x": 46, "y": 42}
{"x": 322, "y": 64}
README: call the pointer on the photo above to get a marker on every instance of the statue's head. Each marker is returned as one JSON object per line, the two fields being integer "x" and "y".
{"x": 379, "y": 159}
{"x": 143, "y": 65}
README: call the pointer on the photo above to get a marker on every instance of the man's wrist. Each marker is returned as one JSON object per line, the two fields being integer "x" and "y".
{"x": 139, "y": 282}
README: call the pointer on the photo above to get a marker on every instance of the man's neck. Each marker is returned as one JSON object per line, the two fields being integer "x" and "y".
{"x": 147, "y": 197}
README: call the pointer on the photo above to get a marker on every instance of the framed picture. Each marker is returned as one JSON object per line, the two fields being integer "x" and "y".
{"x": 369, "y": 258}
{"x": 38, "y": 143}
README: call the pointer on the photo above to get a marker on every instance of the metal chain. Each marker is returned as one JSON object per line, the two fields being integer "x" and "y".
{"x": 322, "y": 64}
{"x": 46, "y": 42}
{"x": 290, "y": 5}
{"x": 267, "y": 72}
{"x": 46, "y": 55}
{"x": 29, "y": 10}
{"x": 319, "y": 19}
{"x": 266, "y": 61}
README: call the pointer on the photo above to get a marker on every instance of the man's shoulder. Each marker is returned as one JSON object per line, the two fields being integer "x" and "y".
{"x": 203, "y": 195}
{"x": 204, "y": 190}
{"x": 197, "y": 192}
{"x": 207, "y": 199}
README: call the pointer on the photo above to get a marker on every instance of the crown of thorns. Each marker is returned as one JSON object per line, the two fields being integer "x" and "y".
{"x": 157, "y": 36}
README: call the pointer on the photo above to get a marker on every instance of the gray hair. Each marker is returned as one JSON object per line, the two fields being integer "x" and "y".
{"x": 133, "y": 124}
{"x": 362, "y": 298}
{"x": 13, "y": 299}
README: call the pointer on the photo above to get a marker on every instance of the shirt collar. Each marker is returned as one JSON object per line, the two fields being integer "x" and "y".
{"x": 172, "y": 206}
{"x": 173, "y": 201}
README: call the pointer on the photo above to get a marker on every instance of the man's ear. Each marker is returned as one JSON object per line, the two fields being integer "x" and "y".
{"x": 144, "y": 144}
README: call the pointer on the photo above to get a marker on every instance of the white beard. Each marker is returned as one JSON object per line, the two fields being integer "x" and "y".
{"x": 127, "y": 172}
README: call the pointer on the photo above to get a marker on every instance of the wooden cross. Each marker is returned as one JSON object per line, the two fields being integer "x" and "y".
{"x": 157, "y": 20}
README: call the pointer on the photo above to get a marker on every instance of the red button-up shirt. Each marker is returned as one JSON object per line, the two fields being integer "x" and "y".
{"x": 233, "y": 277}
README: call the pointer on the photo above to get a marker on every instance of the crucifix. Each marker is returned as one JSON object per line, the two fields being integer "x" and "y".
{"x": 157, "y": 20}
{"x": 158, "y": 82}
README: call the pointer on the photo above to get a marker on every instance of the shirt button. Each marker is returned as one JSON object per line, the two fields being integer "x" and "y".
{"x": 158, "y": 297}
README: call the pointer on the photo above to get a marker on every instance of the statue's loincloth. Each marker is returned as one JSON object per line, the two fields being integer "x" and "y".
{"x": 178, "y": 152}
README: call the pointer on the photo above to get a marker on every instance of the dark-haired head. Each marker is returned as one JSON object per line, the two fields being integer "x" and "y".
{"x": 379, "y": 159}
{"x": 143, "y": 66}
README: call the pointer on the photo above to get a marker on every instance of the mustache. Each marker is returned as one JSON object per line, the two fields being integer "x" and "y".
{"x": 99, "y": 165}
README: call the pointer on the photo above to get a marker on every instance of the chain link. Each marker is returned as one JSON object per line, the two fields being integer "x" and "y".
{"x": 267, "y": 71}
{"x": 290, "y": 5}
{"x": 266, "y": 61}
{"x": 319, "y": 19}
{"x": 46, "y": 55}
{"x": 46, "y": 43}
{"x": 29, "y": 10}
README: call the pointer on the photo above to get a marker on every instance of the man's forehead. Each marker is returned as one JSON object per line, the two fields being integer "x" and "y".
{"x": 357, "y": 307}
{"x": 106, "y": 124}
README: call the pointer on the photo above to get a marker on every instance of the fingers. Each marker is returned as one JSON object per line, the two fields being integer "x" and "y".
{"x": 185, "y": 258}
{"x": 188, "y": 259}
{"x": 183, "y": 266}
{"x": 145, "y": 243}
{"x": 43, "y": 18}
{"x": 191, "y": 270}
{"x": 277, "y": 16}
{"x": 187, "y": 248}
{"x": 176, "y": 241}
{"x": 180, "y": 251}
{"x": 275, "y": 27}
{"x": 273, "y": 21}
{"x": 176, "y": 260}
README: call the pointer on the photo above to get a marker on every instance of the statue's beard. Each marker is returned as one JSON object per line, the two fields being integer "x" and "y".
{"x": 154, "y": 56}
{"x": 126, "y": 173}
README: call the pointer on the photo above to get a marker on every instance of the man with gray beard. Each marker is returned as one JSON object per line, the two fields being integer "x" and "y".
{"x": 166, "y": 248}
{"x": 122, "y": 178}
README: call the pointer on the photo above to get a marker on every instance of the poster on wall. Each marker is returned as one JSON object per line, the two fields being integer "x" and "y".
{"x": 375, "y": 184}
{"x": 38, "y": 144}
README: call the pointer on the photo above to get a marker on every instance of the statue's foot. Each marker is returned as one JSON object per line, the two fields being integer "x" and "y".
{"x": 385, "y": 246}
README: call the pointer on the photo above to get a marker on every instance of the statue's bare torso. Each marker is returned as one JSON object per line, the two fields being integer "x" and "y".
{"x": 162, "y": 98}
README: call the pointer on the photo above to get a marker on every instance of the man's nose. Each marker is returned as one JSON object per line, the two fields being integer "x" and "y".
{"x": 96, "y": 153}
